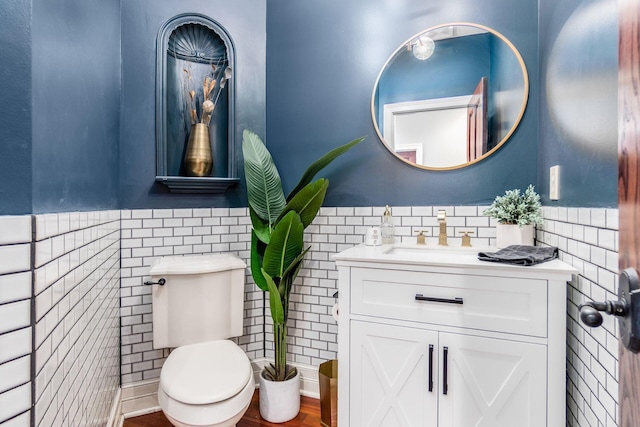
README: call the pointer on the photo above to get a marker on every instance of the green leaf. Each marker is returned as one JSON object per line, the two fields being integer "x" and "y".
{"x": 264, "y": 188}
{"x": 288, "y": 277}
{"x": 257, "y": 253}
{"x": 260, "y": 228}
{"x": 292, "y": 373}
{"x": 285, "y": 245}
{"x": 321, "y": 163}
{"x": 275, "y": 303}
{"x": 308, "y": 201}
{"x": 294, "y": 268}
{"x": 270, "y": 372}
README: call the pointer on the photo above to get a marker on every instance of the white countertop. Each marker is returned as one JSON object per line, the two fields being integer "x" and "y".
{"x": 445, "y": 257}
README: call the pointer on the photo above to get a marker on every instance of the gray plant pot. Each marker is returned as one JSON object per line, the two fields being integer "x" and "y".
{"x": 279, "y": 400}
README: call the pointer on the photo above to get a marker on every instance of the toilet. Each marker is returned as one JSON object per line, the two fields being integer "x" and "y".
{"x": 207, "y": 380}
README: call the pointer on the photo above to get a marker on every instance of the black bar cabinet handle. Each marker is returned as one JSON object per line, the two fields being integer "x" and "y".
{"x": 430, "y": 367}
{"x": 445, "y": 383}
{"x": 420, "y": 297}
{"x": 160, "y": 282}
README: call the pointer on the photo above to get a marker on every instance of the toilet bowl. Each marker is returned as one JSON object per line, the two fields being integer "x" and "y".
{"x": 208, "y": 384}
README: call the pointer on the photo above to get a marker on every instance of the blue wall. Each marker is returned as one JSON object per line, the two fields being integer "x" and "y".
{"x": 59, "y": 116}
{"x": 578, "y": 115}
{"x": 15, "y": 107}
{"x": 68, "y": 142}
{"x": 75, "y": 104}
{"x": 322, "y": 62}
{"x": 506, "y": 76}
{"x": 141, "y": 19}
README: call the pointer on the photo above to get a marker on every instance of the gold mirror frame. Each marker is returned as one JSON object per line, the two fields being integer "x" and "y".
{"x": 517, "y": 121}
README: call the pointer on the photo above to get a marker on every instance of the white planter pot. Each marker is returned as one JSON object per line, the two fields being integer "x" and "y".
{"x": 509, "y": 234}
{"x": 279, "y": 400}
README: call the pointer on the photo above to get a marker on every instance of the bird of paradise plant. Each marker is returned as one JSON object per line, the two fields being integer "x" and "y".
{"x": 277, "y": 235}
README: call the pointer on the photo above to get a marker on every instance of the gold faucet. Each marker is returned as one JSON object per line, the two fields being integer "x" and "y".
{"x": 466, "y": 239}
{"x": 420, "y": 239}
{"x": 442, "y": 220}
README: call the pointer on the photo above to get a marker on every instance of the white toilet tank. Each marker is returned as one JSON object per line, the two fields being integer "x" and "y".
{"x": 202, "y": 299}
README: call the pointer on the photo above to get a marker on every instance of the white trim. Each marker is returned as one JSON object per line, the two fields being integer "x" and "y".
{"x": 418, "y": 148}
{"x": 309, "y": 382}
{"x": 141, "y": 398}
{"x": 115, "y": 415}
{"x": 390, "y": 110}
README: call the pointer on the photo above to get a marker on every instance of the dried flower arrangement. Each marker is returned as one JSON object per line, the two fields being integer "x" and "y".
{"x": 218, "y": 77}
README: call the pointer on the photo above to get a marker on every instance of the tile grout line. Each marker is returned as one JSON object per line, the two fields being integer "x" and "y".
{"x": 33, "y": 321}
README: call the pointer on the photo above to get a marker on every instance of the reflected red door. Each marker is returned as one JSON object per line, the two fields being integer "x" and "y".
{"x": 477, "y": 122}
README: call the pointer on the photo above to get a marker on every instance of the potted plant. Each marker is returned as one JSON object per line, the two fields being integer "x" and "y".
{"x": 277, "y": 251}
{"x": 516, "y": 213}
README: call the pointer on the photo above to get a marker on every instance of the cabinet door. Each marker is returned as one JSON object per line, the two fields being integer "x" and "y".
{"x": 389, "y": 372}
{"x": 491, "y": 383}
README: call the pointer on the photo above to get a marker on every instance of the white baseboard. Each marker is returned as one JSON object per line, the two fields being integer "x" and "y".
{"x": 309, "y": 382}
{"x": 141, "y": 398}
{"x": 115, "y": 415}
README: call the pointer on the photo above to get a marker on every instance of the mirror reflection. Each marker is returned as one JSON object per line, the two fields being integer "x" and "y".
{"x": 450, "y": 96}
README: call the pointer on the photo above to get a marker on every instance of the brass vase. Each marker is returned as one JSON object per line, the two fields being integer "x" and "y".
{"x": 198, "y": 160}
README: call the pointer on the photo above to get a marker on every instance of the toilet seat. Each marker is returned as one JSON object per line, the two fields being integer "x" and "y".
{"x": 204, "y": 373}
{"x": 206, "y": 383}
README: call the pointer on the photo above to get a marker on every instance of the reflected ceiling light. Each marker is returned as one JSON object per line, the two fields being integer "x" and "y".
{"x": 422, "y": 47}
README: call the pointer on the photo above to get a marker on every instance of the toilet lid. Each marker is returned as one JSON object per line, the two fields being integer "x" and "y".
{"x": 205, "y": 373}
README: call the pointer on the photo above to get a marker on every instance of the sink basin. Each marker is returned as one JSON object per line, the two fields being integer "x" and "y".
{"x": 424, "y": 250}
{"x": 407, "y": 253}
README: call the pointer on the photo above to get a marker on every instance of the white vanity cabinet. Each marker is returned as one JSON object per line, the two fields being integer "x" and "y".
{"x": 450, "y": 341}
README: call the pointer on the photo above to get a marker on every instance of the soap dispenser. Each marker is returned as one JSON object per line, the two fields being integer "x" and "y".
{"x": 386, "y": 229}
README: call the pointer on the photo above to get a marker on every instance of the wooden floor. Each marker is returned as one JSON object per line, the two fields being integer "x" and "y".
{"x": 309, "y": 416}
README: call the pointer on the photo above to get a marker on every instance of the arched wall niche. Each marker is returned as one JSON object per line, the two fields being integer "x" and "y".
{"x": 190, "y": 48}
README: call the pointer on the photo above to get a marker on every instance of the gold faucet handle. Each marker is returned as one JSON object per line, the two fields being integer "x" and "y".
{"x": 466, "y": 238}
{"x": 420, "y": 237}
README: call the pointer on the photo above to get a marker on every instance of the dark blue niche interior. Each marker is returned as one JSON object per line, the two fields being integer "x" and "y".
{"x": 179, "y": 116}
{"x": 191, "y": 49}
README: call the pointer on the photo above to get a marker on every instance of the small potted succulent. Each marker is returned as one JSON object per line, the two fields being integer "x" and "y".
{"x": 516, "y": 213}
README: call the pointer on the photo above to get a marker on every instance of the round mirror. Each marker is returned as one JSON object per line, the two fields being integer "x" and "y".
{"x": 450, "y": 96}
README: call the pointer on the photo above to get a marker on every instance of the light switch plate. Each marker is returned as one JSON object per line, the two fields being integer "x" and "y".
{"x": 554, "y": 182}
